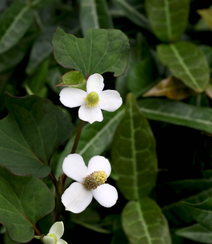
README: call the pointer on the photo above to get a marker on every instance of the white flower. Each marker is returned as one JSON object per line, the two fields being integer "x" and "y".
{"x": 55, "y": 233}
{"x": 90, "y": 183}
{"x": 93, "y": 100}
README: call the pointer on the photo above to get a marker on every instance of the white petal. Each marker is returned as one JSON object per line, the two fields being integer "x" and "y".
{"x": 74, "y": 167}
{"x": 90, "y": 114}
{"x": 99, "y": 163}
{"x": 106, "y": 195}
{"x": 72, "y": 97}
{"x": 76, "y": 198}
{"x": 61, "y": 241}
{"x": 95, "y": 83}
{"x": 48, "y": 240}
{"x": 110, "y": 100}
{"x": 57, "y": 229}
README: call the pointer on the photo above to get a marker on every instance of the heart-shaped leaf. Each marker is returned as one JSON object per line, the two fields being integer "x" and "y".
{"x": 186, "y": 62}
{"x": 134, "y": 153}
{"x": 30, "y": 134}
{"x": 100, "y": 51}
{"x": 23, "y": 201}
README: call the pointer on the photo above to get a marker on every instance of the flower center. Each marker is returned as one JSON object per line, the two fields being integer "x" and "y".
{"x": 94, "y": 180}
{"x": 92, "y": 99}
{"x": 54, "y": 236}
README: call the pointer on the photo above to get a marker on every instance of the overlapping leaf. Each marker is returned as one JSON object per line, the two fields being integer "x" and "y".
{"x": 23, "y": 201}
{"x": 94, "y": 14}
{"x": 142, "y": 76}
{"x": 177, "y": 113}
{"x": 14, "y": 23}
{"x": 168, "y": 18}
{"x": 30, "y": 134}
{"x": 186, "y": 62}
{"x": 132, "y": 13}
{"x": 100, "y": 51}
{"x": 143, "y": 222}
{"x": 133, "y": 153}
{"x": 95, "y": 138}
{"x": 196, "y": 232}
{"x": 41, "y": 49}
{"x": 201, "y": 212}
{"x": 170, "y": 87}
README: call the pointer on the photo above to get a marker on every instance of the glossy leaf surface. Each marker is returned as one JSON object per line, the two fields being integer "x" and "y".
{"x": 168, "y": 18}
{"x": 144, "y": 222}
{"x": 30, "y": 134}
{"x": 95, "y": 14}
{"x": 196, "y": 232}
{"x": 23, "y": 201}
{"x": 178, "y": 113}
{"x": 132, "y": 13}
{"x": 14, "y": 23}
{"x": 186, "y": 62}
{"x": 99, "y": 52}
{"x": 133, "y": 153}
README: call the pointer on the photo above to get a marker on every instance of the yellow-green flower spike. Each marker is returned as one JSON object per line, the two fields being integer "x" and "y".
{"x": 94, "y": 180}
{"x": 92, "y": 99}
{"x": 54, "y": 236}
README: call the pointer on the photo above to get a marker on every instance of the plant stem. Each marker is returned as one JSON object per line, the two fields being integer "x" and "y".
{"x": 74, "y": 148}
{"x": 37, "y": 230}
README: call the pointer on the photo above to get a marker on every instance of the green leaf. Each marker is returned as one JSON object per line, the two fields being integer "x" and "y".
{"x": 30, "y": 134}
{"x": 173, "y": 210}
{"x": 178, "y": 113}
{"x": 14, "y": 23}
{"x": 168, "y": 18}
{"x": 196, "y": 232}
{"x": 186, "y": 62}
{"x": 144, "y": 222}
{"x": 41, "y": 3}
{"x": 14, "y": 56}
{"x": 73, "y": 79}
{"x": 23, "y": 201}
{"x": 38, "y": 80}
{"x": 142, "y": 76}
{"x": 134, "y": 153}
{"x": 53, "y": 76}
{"x": 132, "y": 13}
{"x": 94, "y": 14}
{"x": 99, "y": 52}
{"x": 95, "y": 138}
{"x": 41, "y": 49}
{"x": 201, "y": 212}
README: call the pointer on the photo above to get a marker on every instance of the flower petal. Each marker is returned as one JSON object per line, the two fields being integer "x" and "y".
{"x": 110, "y": 100}
{"x": 99, "y": 163}
{"x": 74, "y": 167}
{"x": 76, "y": 198}
{"x": 106, "y": 195}
{"x": 61, "y": 241}
{"x": 48, "y": 240}
{"x": 57, "y": 229}
{"x": 72, "y": 97}
{"x": 90, "y": 114}
{"x": 95, "y": 83}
